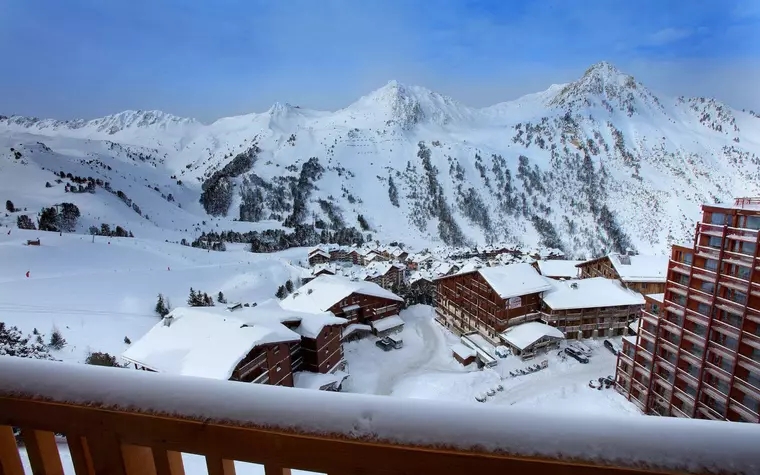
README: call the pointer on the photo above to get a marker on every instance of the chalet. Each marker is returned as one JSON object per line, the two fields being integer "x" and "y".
{"x": 557, "y": 268}
{"x": 421, "y": 288}
{"x": 489, "y": 299}
{"x": 358, "y": 302}
{"x": 340, "y": 254}
{"x": 263, "y": 344}
{"x": 318, "y": 256}
{"x": 527, "y": 339}
{"x": 324, "y": 269}
{"x": 385, "y": 274}
{"x": 591, "y": 307}
{"x": 399, "y": 255}
{"x": 643, "y": 274}
{"x": 417, "y": 261}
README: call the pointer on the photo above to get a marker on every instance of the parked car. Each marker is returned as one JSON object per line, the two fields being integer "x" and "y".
{"x": 581, "y": 348}
{"x": 395, "y": 341}
{"x": 384, "y": 344}
{"x": 576, "y": 354}
{"x": 612, "y": 346}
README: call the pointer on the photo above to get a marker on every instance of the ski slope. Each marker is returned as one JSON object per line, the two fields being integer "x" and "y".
{"x": 96, "y": 292}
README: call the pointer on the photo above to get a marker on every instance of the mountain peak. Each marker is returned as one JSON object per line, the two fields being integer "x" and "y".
{"x": 604, "y": 85}
{"x": 409, "y": 105}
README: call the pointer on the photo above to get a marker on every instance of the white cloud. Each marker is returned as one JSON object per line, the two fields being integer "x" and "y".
{"x": 668, "y": 35}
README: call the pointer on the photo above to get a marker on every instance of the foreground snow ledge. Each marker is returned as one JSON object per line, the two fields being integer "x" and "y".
{"x": 645, "y": 442}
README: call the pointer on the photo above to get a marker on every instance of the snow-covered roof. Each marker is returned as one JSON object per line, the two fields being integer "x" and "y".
{"x": 640, "y": 268}
{"x": 634, "y": 325}
{"x": 462, "y": 351}
{"x": 630, "y": 339}
{"x": 590, "y": 293}
{"x": 319, "y": 252}
{"x": 525, "y": 334}
{"x": 355, "y": 327}
{"x": 310, "y": 324}
{"x": 211, "y": 341}
{"x": 309, "y": 380}
{"x": 326, "y": 290}
{"x": 387, "y": 323}
{"x": 420, "y": 275}
{"x": 558, "y": 268}
{"x": 514, "y": 280}
{"x": 658, "y": 297}
{"x": 207, "y": 342}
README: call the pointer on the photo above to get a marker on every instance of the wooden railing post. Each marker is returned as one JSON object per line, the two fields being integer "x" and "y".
{"x": 168, "y": 462}
{"x": 10, "y": 460}
{"x": 42, "y": 451}
{"x": 80, "y": 455}
{"x": 217, "y": 466}
{"x": 106, "y": 454}
{"x": 276, "y": 470}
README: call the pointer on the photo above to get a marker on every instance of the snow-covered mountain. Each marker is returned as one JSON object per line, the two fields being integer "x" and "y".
{"x": 597, "y": 164}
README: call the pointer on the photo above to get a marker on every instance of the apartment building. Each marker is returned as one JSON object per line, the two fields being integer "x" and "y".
{"x": 697, "y": 350}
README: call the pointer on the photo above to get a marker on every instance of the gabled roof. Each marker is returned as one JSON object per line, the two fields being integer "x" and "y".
{"x": 558, "y": 268}
{"x": 514, "y": 280}
{"x": 596, "y": 292}
{"x": 326, "y": 290}
{"x": 637, "y": 268}
{"x": 523, "y": 335}
{"x": 210, "y": 342}
{"x": 640, "y": 268}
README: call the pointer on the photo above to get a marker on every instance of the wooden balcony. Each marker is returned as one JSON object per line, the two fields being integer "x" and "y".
{"x": 125, "y": 422}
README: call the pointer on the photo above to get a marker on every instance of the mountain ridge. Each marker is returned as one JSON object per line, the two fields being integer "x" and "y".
{"x": 601, "y": 163}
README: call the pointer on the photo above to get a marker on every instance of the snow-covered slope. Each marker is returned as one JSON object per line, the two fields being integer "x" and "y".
{"x": 597, "y": 164}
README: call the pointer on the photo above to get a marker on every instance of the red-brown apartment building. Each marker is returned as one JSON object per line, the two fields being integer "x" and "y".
{"x": 697, "y": 351}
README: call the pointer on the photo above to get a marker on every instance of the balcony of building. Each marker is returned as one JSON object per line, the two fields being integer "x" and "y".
{"x": 125, "y": 422}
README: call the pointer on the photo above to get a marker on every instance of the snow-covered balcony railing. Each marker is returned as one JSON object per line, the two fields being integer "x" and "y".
{"x": 120, "y": 421}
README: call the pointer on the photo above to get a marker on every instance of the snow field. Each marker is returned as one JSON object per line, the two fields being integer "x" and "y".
{"x": 98, "y": 293}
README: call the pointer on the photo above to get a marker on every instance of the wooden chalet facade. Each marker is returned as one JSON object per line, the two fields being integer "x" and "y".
{"x": 391, "y": 278}
{"x": 590, "y": 308}
{"x": 643, "y": 274}
{"x": 318, "y": 256}
{"x": 484, "y": 301}
{"x": 359, "y": 303}
{"x": 269, "y": 364}
{"x": 324, "y": 353}
{"x": 276, "y": 343}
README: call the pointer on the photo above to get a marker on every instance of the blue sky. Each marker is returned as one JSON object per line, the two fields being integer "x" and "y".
{"x": 87, "y": 58}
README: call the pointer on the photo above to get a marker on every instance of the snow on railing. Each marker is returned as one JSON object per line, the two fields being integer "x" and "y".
{"x": 358, "y": 433}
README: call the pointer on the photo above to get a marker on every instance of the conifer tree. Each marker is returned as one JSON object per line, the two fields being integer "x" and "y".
{"x": 289, "y": 286}
{"x": 192, "y": 300}
{"x": 281, "y": 292}
{"x": 57, "y": 342}
{"x": 220, "y": 298}
{"x": 161, "y": 307}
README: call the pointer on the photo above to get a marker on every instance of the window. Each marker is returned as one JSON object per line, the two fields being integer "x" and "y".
{"x": 708, "y": 287}
{"x": 711, "y": 264}
{"x": 717, "y": 218}
{"x": 687, "y": 258}
{"x": 748, "y": 248}
{"x": 724, "y": 340}
{"x": 703, "y": 309}
{"x": 753, "y": 222}
{"x": 735, "y": 295}
{"x": 715, "y": 242}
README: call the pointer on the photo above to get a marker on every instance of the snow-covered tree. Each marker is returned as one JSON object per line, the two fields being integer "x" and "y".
{"x": 49, "y": 220}
{"x": 220, "y": 298}
{"x": 13, "y": 343}
{"x": 9, "y": 206}
{"x": 289, "y": 286}
{"x": 23, "y": 222}
{"x": 281, "y": 292}
{"x": 57, "y": 342}
{"x": 162, "y": 307}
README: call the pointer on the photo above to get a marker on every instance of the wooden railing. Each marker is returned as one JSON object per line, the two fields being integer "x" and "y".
{"x": 124, "y": 422}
